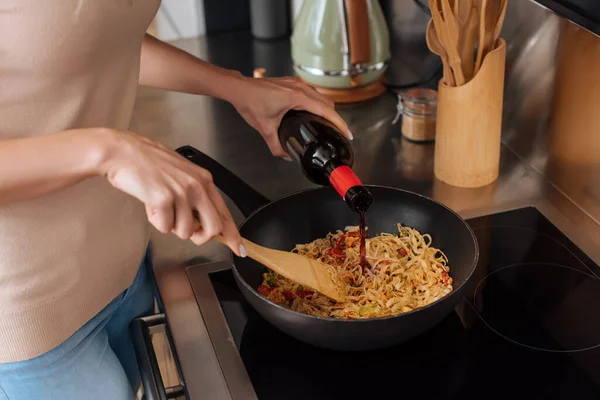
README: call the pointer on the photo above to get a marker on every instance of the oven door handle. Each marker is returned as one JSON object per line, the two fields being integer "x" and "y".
{"x": 154, "y": 388}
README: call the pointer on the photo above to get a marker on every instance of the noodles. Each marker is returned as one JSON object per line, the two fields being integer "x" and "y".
{"x": 405, "y": 274}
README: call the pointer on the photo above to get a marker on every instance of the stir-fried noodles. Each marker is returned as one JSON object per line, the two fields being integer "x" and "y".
{"x": 405, "y": 273}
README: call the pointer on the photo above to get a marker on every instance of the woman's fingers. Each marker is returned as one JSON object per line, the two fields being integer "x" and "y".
{"x": 230, "y": 235}
{"x": 184, "y": 221}
{"x": 314, "y": 94}
{"x": 210, "y": 221}
{"x": 321, "y": 109}
{"x": 230, "y": 232}
{"x": 161, "y": 214}
{"x": 171, "y": 188}
{"x": 272, "y": 140}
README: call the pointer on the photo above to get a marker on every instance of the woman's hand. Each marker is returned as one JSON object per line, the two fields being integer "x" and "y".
{"x": 263, "y": 103}
{"x": 171, "y": 187}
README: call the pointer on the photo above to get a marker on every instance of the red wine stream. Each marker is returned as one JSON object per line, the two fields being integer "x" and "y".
{"x": 363, "y": 239}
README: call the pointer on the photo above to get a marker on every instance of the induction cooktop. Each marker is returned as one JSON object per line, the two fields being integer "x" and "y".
{"x": 528, "y": 327}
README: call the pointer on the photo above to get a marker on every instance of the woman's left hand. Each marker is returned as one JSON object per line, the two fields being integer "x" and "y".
{"x": 262, "y": 102}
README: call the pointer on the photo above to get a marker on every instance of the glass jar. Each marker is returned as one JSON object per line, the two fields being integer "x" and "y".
{"x": 419, "y": 113}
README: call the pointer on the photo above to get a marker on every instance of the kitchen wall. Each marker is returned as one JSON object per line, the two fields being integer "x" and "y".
{"x": 552, "y": 98}
{"x": 178, "y": 19}
{"x": 189, "y": 18}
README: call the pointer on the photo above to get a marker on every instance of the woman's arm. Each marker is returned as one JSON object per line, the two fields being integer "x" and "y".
{"x": 38, "y": 165}
{"x": 164, "y": 66}
{"x": 170, "y": 186}
{"x": 261, "y": 102}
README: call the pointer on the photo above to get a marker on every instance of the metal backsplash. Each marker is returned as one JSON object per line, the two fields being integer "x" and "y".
{"x": 552, "y": 100}
{"x": 552, "y": 91}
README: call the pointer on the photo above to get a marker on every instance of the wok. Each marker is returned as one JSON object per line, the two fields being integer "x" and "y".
{"x": 304, "y": 216}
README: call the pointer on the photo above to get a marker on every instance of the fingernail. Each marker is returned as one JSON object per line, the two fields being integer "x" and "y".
{"x": 350, "y": 135}
{"x": 243, "y": 252}
{"x": 288, "y": 158}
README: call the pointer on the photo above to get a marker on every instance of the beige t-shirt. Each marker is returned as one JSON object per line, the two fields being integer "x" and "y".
{"x": 64, "y": 256}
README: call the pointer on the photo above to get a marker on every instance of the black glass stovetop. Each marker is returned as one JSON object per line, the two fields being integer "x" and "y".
{"x": 528, "y": 328}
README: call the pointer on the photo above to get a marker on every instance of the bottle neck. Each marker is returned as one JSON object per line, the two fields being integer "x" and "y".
{"x": 349, "y": 187}
{"x": 342, "y": 178}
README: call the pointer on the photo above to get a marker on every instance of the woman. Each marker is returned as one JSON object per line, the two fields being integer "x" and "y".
{"x": 78, "y": 188}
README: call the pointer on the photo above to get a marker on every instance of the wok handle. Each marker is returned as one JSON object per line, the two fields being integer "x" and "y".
{"x": 243, "y": 195}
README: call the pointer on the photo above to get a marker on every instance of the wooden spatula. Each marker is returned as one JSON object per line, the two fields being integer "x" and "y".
{"x": 447, "y": 32}
{"x": 500, "y": 21}
{"x": 464, "y": 11}
{"x": 300, "y": 269}
{"x": 436, "y": 47}
{"x": 492, "y": 19}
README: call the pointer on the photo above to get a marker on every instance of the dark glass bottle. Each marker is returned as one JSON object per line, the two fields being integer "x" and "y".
{"x": 325, "y": 155}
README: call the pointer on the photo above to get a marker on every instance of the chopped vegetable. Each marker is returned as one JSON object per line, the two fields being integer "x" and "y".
{"x": 300, "y": 287}
{"x": 264, "y": 290}
{"x": 368, "y": 308}
{"x": 404, "y": 233}
{"x": 446, "y": 278}
{"x": 341, "y": 242}
{"x": 304, "y": 293}
{"x": 335, "y": 253}
{"x": 402, "y": 252}
{"x": 289, "y": 296}
{"x": 271, "y": 282}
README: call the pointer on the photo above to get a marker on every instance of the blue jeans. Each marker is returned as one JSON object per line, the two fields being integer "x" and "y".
{"x": 96, "y": 362}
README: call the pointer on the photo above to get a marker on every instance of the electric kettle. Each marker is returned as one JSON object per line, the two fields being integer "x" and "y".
{"x": 340, "y": 44}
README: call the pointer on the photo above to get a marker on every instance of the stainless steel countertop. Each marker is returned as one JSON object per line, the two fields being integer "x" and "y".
{"x": 383, "y": 157}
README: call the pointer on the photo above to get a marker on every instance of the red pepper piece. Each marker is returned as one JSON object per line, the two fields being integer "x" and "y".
{"x": 332, "y": 252}
{"x": 304, "y": 293}
{"x": 289, "y": 296}
{"x": 445, "y": 277}
{"x": 341, "y": 240}
{"x": 264, "y": 290}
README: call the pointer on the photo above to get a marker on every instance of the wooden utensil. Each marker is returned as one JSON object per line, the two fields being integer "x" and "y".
{"x": 436, "y": 47}
{"x": 298, "y": 268}
{"x": 471, "y": 36}
{"x": 491, "y": 20}
{"x": 464, "y": 11}
{"x": 500, "y": 22}
{"x": 447, "y": 30}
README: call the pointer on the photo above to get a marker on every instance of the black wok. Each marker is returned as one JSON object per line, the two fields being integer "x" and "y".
{"x": 304, "y": 216}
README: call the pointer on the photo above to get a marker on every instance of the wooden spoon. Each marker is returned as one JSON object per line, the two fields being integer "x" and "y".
{"x": 447, "y": 30}
{"x": 463, "y": 11}
{"x": 500, "y": 22}
{"x": 436, "y": 47}
{"x": 471, "y": 35}
{"x": 491, "y": 20}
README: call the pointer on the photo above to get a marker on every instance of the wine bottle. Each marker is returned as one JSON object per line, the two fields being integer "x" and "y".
{"x": 325, "y": 156}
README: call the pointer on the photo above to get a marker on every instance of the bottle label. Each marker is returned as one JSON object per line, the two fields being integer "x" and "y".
{"x": 343, "y": 178}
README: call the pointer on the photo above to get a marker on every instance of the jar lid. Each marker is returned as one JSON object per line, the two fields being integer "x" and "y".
{"x": 424, "y": 100}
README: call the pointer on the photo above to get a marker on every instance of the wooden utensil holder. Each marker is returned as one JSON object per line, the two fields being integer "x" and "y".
{"x": 469, "y": 125}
